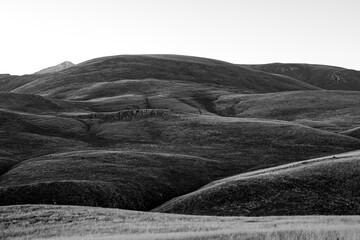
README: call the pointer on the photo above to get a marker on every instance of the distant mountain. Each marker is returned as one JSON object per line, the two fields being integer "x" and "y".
{"x": 56, "y": 68}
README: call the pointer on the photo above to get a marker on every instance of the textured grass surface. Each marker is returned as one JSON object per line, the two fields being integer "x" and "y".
{"x": 324, "y": 186}
{"x": 141, "y": 181}
{"x": 355, "y": 132}
{"x": 67, "y": 222}
{"x": 328, "y": 110}
{"x": 325, "y": 77}
{"x": 128, "y": 180}
{"x": 10, "y": 82}
{"x": 215, "y": 147}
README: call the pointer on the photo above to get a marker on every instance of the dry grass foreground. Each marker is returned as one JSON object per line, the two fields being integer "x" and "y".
{"x": 70, "y": 222}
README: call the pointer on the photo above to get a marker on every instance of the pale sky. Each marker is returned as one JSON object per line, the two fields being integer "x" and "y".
{"x": 36, "y": 34}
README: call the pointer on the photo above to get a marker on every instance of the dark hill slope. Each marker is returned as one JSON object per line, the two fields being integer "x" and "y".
{"x": 325, "y": 77}
{"x": 326, "y": 186}
{"x": 129, "y": 180}
{"x": 94, "y": 73}
{"x": 41, "y": 124}
{"x": 17, "y": 146}
{"x": 246, "y": 143}
{"x": 10, "y": 82}
{"x": 230, "y": 145}
{"x": 24, "y": 136}
{"x": 122, "y": 104}
{"x": 355, "y": 132}
{"x": 40, "y": 105}
{"x": 328, "y": 110}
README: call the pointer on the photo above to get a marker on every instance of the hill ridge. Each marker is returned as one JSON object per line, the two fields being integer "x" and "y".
{"x": 56, "y": 68}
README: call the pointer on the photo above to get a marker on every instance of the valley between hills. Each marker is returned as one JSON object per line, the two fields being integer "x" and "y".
{"x": 180, "y": 147}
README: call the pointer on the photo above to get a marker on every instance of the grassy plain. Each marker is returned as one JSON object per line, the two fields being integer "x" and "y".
{"x": 69, "y": 222}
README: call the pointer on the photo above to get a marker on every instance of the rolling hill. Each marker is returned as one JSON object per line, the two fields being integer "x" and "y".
{"x": 153, "y": 169}
{"x": 323, "y": 186}
{"x": 128, "y": 180}
{"x": 109, "y": 75}
{"x": 10, "y": 82}
{"x": 135, "y": 131}
{"x": 334, "y": 110}
{"x": 36, "y": 104}
{"x": 322, "y": 76}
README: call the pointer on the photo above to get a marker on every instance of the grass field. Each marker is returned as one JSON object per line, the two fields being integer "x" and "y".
{"x": 69, "y": 222}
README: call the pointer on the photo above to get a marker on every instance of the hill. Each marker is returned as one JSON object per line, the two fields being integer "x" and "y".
{"x": 334, "y": 111}
{"x": 11, "y": 82}
{"x": 324, "y": 186}
{"x": 148, "y": 166}
{"x": 322, "y": 76}
{"x": 128, "y": 180}
{"x": 56, "y": 68}
{"x": 135, "y": 131}
{"x": 29, "y": 103}
{"x": 110, "y": 76}
{"x": 355, "y": 132}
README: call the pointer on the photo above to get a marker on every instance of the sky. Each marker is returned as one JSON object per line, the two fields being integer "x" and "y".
{"x": 35, "y": 34}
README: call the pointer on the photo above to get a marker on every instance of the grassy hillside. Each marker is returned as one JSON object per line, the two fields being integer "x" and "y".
{"x": 326, "y": 186}
{"x": 69, "y": 222}
{"x": 11, "y": 82}
{"x": 355, "y": 132}
{"x": 325, "y": 77}
{"x": 216, "y": 147}
{"x": 243, "y": 143}
{"x": 30, "y": 103}
{"x": 129, "y": 180}
{"x": 109, "y": 71}
{"x": 328, "y": 110}
{"x": 135, "y": 131}
{"x": 24, "y": 135}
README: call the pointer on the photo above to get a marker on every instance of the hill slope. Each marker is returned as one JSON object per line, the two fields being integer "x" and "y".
{"x": 355, "y": 132}
{"x": 128, "y": 180}
{"x": 148, "y": 167}
{"x": 11, "y": 82}
{"x": 56, "y": 68}
{"x": 108, "y": 72}
{"x": 325, "y": 77}
{"x": 326, "y": 186}
{"x": 113, "y": 131}
{"x": 328, "y": 110}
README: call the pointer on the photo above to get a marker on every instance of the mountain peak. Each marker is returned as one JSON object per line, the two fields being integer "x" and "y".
{"x": 56, "y": 68}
